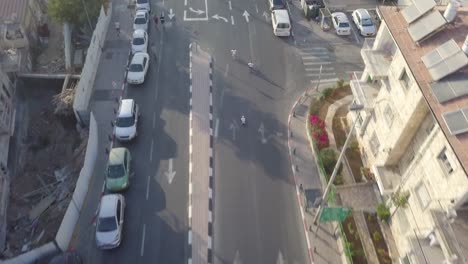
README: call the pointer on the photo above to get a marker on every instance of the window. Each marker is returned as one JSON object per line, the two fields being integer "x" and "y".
{"x": 119, "y": 205}
{"x": 388, "y": 114}
{"x": 405, "y": 79}
{"x": 359, "y": 120}
{"x": 444, "y": 161}
{"x": 423, "y": 195}
{"x": 374, "y": 144}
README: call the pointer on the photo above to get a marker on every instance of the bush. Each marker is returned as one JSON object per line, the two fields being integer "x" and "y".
{"x": 383, "y": 212}
{"x": 314, "y": 107}
{"x": 340, "y": 83}
{"x": 354, "y": 145}
{"x": 326, "y": 92}
{"x": 376, "y": 236}
{"x": 329, "y": 159}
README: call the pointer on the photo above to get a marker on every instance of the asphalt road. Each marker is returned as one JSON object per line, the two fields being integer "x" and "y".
{"x": 256, "y": 214}
{"x": 155, "y": 228}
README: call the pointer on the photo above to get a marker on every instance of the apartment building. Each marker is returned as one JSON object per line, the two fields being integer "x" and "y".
{"x": 413, "y": 131}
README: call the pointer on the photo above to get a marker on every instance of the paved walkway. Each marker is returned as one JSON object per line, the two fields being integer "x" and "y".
{"x": 200, "y": 170}
{"x": 324, "y": 247}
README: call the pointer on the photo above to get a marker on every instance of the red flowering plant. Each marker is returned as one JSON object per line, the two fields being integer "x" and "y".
{"x": 319, "y": 133}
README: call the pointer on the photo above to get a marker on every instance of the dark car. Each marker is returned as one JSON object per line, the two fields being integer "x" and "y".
{"x": 277, "y": 4}
{"x": 70, "y": 257}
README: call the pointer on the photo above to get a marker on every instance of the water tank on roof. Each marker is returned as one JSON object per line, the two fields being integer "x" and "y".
{"x": 451, "y": 11}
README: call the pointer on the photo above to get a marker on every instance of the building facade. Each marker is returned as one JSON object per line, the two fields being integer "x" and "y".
{"x": 410, "y": 89}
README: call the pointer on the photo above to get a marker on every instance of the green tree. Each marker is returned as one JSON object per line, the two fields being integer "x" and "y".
{"x": 400, "y": 200}
{"x": 75, "y": 12}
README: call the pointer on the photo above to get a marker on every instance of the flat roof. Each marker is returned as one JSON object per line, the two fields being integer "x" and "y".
{"x": 413, "y": 53}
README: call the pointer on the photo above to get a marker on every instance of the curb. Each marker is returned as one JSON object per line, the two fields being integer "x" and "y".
{"x": 210, "y": 170}
{"x": 298, "y": 193}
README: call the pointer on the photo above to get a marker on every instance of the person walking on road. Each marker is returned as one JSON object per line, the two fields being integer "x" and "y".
{"x": 155, "y": 18}
{"x": 117, "y": 28}
{"x": 251, "y": 66}
{"x": 162, "y": 19}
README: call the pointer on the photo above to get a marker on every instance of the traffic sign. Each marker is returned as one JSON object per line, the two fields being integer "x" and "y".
{"x": 330, "y": 214}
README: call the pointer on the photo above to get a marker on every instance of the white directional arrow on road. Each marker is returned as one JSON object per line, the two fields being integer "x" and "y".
{"x": 218, "y": 17}
{"x": 170, "y": 173}
{"x": 198, "y": 11}
{"x": 233, "y": 127}
{"x": 246, "y": 15}
{"x": 267, "y": 17}
{"x": 171, "y": 15}
{"x": 261, "y": 130}
{"x": 237, "y": 259}
{"x": 280, "y": 259}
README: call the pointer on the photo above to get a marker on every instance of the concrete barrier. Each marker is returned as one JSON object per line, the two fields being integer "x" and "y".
{"x": 65, "y": 231}
{"x": 85, "y": 86}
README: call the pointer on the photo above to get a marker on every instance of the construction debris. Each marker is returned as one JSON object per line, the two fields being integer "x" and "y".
{"x": 39, "y": 208}
{"x": 64, "y": 101}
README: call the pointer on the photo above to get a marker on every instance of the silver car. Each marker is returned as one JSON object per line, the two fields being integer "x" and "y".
{"x": 363, "y": 22}
{"x": 141, "y": 20}
{"x": 139, "y": 41}
{"x": 110, "y": 221}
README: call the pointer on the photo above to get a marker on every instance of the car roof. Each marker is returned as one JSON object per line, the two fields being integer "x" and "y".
{"x": 139, "y": 33}
{"x": 341, "y": 16}
{"x": 363, "y": 13}
{"x": 116, "y": 156}
{"x": 281, "y": 15}
{"x": 138, "y": 57}
{"x": 108, "y": 205}
{"x": 126, "y": 108}
{"x": 141, "y": 12}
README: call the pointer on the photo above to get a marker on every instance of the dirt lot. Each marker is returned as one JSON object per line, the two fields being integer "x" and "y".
{"x": 49, "y": 156}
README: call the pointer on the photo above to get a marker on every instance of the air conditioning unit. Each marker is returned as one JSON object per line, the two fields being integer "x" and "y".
{"x": 433, "y": 239}
{"x": 451, "y": 215}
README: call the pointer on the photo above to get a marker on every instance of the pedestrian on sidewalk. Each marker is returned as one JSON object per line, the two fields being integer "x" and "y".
{"x": 117, "y": 28}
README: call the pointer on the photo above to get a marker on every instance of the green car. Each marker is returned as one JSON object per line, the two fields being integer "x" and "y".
{"x": 118, "y": 170}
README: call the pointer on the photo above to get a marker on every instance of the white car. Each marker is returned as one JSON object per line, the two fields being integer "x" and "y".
{"x": 140, "y": 41}
{"x": 341, "y": 23}
{"x": 143, "y": 4}
{"x": 127, "y": 120}
{"x": 364, "y": 22}
{"x": 138, "y": 68}
{"x": 141, "y": 20}
{"x": 110, "y": 221}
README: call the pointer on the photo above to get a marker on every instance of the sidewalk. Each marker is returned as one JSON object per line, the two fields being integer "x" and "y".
{"x": 324, "y": 247}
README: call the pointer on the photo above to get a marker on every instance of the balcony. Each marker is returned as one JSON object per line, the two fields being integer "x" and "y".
{"x": 386, "y": 178}
{"x": 364, "y": 92}
{"x": 424, "y": 248}
{"x": 377, "y": 60}
{"x": 13, "y": 36}
{"x": 453, "y": 233}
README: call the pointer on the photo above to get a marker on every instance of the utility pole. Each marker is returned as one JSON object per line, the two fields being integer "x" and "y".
{"x": 353, "y": 107}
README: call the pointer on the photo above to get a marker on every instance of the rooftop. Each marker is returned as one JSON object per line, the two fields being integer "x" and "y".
{"x": 12, "y": 10}
{"x": 413, "y": 54}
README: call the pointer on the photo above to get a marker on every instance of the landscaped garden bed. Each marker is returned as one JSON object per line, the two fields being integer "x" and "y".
{"x": 377, "y": 238}
{"x": 354, "y": 245}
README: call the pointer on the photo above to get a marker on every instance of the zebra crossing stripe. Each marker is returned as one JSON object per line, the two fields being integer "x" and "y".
{"x": 325, "y": 80}
{"x": 317, "y": 63}
{"x": 322, "y": 74}
{"x": 318, "y": 69}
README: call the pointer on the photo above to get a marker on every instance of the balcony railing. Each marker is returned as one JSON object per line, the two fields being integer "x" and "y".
{"x": 377, "y": 61}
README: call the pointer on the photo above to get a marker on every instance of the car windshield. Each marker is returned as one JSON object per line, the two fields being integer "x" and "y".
{"x": 135, "y": 68}
{"x": 142, "y": 1}
{"x": 283, "y": 25}
{"x": 125, "y": 121}
{"x": 278, "y": 3}
{"x": 367, "y": 22}
{"x": 140, "y": 20}
{"x": 343, "y": 25}
{"x": 115, "y": 171}
{"x": 106, "y": 224}
{"x": 138, "y": 41}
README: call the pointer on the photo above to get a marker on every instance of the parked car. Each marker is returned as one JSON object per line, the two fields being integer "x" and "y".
{"x": 138, "y": 68}
{"x": 127, "y": 120}
{"x": 277, "y": 4}
{"x": 364, "y": 22}
{"x": 118, "y": 169}
{"x": 341, "y": 23}
{"x": 69, "y": 257}
{"x": 110, "y": 221}
{"x": 141, "y": 20}
{"x": 143, "y": 4}
{"x": 281, "y": 23}
{"x": 139, "y": 41}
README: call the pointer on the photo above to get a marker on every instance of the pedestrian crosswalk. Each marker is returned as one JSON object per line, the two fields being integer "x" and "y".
{"x": 318, "y": 64}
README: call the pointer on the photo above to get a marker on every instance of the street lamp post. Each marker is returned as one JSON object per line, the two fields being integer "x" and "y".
{"x": 353, "y": 107}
